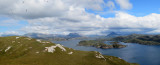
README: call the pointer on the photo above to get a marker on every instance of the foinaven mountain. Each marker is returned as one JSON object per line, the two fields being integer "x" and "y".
{"x": 15, "y": 50}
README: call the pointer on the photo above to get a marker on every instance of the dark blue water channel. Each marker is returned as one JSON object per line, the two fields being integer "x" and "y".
{"x": 133, "y": 53}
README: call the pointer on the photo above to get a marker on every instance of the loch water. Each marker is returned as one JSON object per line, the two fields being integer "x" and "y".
{"x": 133, "y": 53}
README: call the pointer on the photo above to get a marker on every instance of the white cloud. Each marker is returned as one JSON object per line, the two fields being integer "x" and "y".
{"x": 75, "y": 20}
{"x": 8, "y": 33}
{"x": 33, "y": 8}
{"x": 66, "y": 16}
{"x": 124, "y": 4}
{"x": 30, "y": 9}
{"x": 154, "y": 31}
{"x": 111, "y": 5}
{"x": 9, "y": 23}
{"x": 0, "y": 33}
{"x": 54, "y": 16}
{"x": 89, "y": 4}
{"x": 124, "y": 21}
{"x": 86, "y": 24}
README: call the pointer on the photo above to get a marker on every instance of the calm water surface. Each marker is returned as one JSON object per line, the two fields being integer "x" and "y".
{"x": 134, "y": 53}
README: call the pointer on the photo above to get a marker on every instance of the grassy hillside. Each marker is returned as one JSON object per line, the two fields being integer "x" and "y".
{"x": 140, "y": 39}
{"x": 27, "y": 51}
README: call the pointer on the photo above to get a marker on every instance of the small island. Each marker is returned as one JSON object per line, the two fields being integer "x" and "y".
{"x": 100, "y": 44}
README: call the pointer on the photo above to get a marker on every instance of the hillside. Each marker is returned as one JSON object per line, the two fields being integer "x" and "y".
{"x": 140, "y": 39}
{"x": 16, "y": 50}
{"x": 55, "y": 37}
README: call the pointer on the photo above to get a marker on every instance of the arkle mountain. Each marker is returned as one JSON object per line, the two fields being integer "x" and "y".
{"x": 113, "y": 34}
{"x": 73, "y": 35}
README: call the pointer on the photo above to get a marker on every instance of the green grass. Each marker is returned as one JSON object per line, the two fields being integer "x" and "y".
{"x": 100, "y": 44}
{"x": 139, "y": 38}
{"x": 24, "y": 53}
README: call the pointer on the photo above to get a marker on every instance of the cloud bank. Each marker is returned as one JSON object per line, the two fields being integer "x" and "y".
{"x": 67, "y": 16}
{"x": 124, "y": 4}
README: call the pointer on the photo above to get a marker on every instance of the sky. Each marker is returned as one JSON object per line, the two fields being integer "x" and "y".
{"x": 86, "y": 17}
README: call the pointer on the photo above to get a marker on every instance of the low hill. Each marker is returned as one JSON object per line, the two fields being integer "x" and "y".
{"x": 140, "y": 39}
{"x": 16, "y": 50}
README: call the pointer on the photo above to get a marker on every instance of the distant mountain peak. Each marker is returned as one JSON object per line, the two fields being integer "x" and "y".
{"x": 74, "y": 35}
{"x": 112, "y": 34}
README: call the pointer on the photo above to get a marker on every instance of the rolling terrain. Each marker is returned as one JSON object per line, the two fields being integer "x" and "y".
{"x": 16, "y": 50}
{"x": 139, "y": 38}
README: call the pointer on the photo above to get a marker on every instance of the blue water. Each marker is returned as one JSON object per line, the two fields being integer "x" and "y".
{"x": 133, "y": 53}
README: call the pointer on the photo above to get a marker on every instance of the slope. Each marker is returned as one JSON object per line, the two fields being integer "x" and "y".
{"x": 16, "y": 50}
